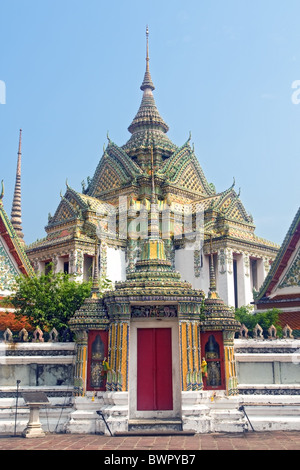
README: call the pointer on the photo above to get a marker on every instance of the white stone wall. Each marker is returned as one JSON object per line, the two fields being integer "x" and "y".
{"x": 224, "y": 271}
{"x": 116, "y": 264}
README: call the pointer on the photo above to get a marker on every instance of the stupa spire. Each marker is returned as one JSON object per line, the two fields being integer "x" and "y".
{"x": 16, "y": 212}
{"x": 147, "y": 82}
{"x": 148, "y": 128}
{"x": 212, "y": 276}
{"x": 148, "y": 117}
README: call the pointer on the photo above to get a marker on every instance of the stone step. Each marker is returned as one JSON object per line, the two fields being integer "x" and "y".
{"x": 226, "y": 414}
{"x": 154, "y": 432}
{"x": 155, "y": 426}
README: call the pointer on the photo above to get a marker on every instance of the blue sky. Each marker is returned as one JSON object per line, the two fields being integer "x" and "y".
{"x": 222, "y": 69}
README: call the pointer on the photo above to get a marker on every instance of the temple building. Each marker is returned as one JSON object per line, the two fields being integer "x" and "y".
{"x": 281, "y": 288}
{"x": 156, "y": 350}
{"x": 179, "y": 255}
{"x": 195, "y": 220}
{"x": 157, "y": 347}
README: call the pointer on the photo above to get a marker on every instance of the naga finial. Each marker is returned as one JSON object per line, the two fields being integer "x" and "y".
{"x": 2, "y": 191}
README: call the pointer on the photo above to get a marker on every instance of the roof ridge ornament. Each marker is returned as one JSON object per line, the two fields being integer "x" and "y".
{"x": 2, "y": 191}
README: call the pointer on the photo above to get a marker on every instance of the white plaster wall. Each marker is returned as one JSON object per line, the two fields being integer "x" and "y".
{"x": 116, "y": 266}
{"x": 225, "y": 278}
{"x": 245, "y": 295}
{"x": 184, "y": 263}
{"x": 203, "y": 281}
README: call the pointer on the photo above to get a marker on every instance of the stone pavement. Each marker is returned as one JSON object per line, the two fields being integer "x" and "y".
{"x": 166, "y": 444}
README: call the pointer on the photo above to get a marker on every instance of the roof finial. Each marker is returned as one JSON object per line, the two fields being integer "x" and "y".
{"x": 147, "y": 46}
{"x": 16, "y": 214}
{"x": 147, "y": 83}
{"x": 2, "y": 191}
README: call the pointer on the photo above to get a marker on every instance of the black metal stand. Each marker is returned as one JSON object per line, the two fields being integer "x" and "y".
{"x": 242, "y": 408}
{"x": 16, "y": 413}
{"x": 102, "y": 416}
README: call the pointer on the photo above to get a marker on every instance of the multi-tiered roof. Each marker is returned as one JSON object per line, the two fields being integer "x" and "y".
{"x": 126, "y": 171}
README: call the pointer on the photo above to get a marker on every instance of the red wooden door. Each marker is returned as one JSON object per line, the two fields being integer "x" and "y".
{"x": 154, "y": 369}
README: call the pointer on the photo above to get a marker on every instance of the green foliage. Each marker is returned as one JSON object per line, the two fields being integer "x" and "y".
{"x": 266, "y": 319}
{"x": 49, "y": 300}
{"x": 104, "y": 285}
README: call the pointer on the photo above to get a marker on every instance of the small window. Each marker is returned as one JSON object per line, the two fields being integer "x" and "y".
{"x": 48, "y": 267}
{"x": 66, "y": 267}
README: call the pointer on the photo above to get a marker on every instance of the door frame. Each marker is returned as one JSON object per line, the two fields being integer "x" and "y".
{"x": 176, "y": 382}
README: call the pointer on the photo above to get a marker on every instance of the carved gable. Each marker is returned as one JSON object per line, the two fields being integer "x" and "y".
{"x": 184, "y": 170}
{"x": 114, "y": 170}
{"x": 234, "y": 209}
{"x": 291, "y": 278}
{"x": 189, "y": 179}
{"x": 64, "y": 212}
{"x": 108, "y": 178}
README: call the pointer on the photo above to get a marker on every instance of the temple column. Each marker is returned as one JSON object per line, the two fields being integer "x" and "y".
{"x": 263, "y": 267}
{"x": 76, "y": 264}
{"x": 225, "y": 276}
{"x": 230, "y": 363}
{"x": 80, "y": 374}
{"x": 55, "y": 263}
{"x": 118, "y": 346}
{"x": 190, "y": 350}
{"x": 117, "y": 377}
{"x": 245, "y": 295}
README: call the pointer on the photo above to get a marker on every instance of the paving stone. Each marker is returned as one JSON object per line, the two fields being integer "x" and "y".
{"x": 249, "y": 441}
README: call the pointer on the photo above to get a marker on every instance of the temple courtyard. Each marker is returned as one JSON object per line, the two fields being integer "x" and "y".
{"x": 277, "y": 440}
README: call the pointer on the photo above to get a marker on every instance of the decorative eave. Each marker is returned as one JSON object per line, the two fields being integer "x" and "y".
{"x": 288, "y": 246}
{"x": 15, "y": 246}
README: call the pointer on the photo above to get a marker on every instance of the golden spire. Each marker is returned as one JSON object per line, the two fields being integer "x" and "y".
{"x": 16, "y": 213}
